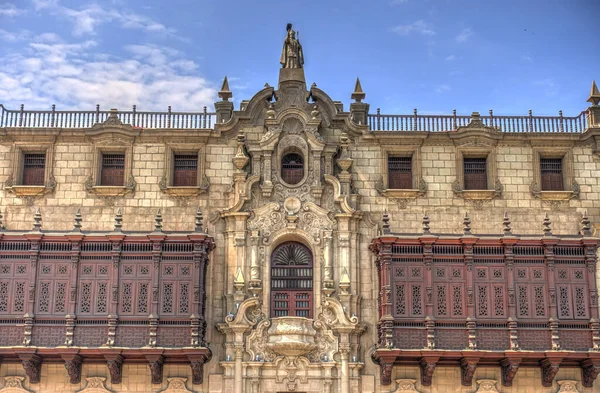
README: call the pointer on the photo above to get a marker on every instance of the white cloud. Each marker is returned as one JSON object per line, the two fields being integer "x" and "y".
{"x": 450, "y": 58}
{"x": 442, "y": 88}
{"x": 398, "y": 2}
{"x": 464, "y": 35}
{"x": 10, "y": 10}
{"x": 548, "y": 86}
{"x": 527, "y": 58}
{"x": 71, "y": 76}
{"x": 418, "y": 27}
{"x": 87, "y": 19}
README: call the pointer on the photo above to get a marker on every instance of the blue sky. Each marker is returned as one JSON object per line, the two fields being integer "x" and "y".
{"x": 434, "y": 55}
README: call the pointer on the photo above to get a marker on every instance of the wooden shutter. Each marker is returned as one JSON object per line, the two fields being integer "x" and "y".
{"x": 291, "y": 281}
{"x": 475, "y": 174}
{"x": 185, "y": 170}
{"x": 551, "y": 174}
{"x": 113, "y": 170}
{"x": 400, "y": 173}
{"x": 34, "y": 167}
{"x": 292, "y": 168}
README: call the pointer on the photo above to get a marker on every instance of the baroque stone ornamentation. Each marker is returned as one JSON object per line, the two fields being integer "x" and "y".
{"x": 567, "y": 386}
{"x": 95, "y": 385}
{"x": 14, "y": 384}
{"x": 486, "y": 386}
{"x": 176, "y": 385}
{"x": 406, "y": 386}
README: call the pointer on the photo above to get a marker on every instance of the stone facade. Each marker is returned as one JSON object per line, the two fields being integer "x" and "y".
{"x": 249, "y": 210}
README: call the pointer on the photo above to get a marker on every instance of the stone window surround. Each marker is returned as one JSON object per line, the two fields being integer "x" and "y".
{"x": 418, "y": 184}
{"x": 166, "y": 183}
{"x": 494, "y": 187}
{"x": 93, "y": 184}
{"x": 571, "y": 188}
{"x": 14, "y": 183}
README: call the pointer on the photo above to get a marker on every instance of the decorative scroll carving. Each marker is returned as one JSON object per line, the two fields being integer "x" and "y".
{"x": 73, "y": 366}
{"x": 406, "y": 386}
{"x": 589, "y": 371}
{"x": 95, "y": 385}
{"x": 156, "y": 369}
{"x": 427, "y": 366}
{"x": 14, "y": 384}
{"x": 115, "y": 368}
{"x": 509, "y": 370}
{"x": 567, "y": 386}
{"x": 176, "y": 385}
{"x": 267, "y": 219}
{"x": 486, "y": 386}
{"x": 467, "y": 370}
{"x": 549, "y": 369}
{"x": 32, "y": 366}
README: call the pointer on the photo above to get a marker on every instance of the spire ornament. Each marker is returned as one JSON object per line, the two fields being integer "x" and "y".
{"x": 594, "y": 98}
{"x": 507, "y": 225}
{"x": 386, "y": 223}
{"x": 158, "y": 222}
{"x": 426, "y": 228}
{"x": 199, "y": 219}
{"x": 358, "y": 95}
{"x": 586, "y": 225}
{"x": 119, "y": 221}
{"x": 225, "y": 94}
{"x": 77, "y": 221}
{"x": 547, "y": 223}
{"x": 37, "y": 221}
{"x": 467, "y": 225}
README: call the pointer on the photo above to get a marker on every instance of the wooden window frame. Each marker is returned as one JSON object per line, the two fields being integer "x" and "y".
{"x": 419, "y": 187}
{"x": 281, "y": 169}
{"x": 167, "y": 182}
{"x": 494, "y": 187}
{"x": 570, "y": 187}
{"x": 15, "y": 181}
{"x": 94, "y": 185}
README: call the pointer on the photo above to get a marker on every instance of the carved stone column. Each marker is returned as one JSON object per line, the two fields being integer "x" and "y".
{"x": 255, "y": 285}
{"x": 328, "y": 284}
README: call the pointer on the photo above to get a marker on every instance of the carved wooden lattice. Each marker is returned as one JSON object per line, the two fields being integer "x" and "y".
{"x": 291, "y": 281}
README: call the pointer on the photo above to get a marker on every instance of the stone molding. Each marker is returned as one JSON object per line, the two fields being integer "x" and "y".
{"x": 176, "y": 385}
{"x": 95, "y": 385}
{"x": 14, "y": 384}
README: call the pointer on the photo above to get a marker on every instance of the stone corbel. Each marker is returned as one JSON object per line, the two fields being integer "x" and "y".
{"x": 427, "y": 365}
{"x": 386, "y": 364}
{"x": 115, "y": 368}
{"x": 509, "y": 367}
{"x": 73, "y": 366}
{"x": 155, "y": 363}
{"x": 197, "y": 365}
{"x": 30, "y": 192}
{"x": 590, "y": 368}
{"x": 549, "y": 368}
{"x": 559, "y": 196}
{"x": 478, "y": 194}
{"x": 32, "y": 364}
{"x": 468, "y": 365}
{"x": 402, "y": 197}
{"x": 184, "y": 192}
{"x": 110, "y": 191}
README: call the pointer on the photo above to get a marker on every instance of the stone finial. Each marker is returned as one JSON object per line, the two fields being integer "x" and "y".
{"x": 594, "y": 98}
{"x": 586, "y": 225}
{"x": 119, "y": 221}
{"x": 344, "y": 282}
{"x": 225, "y": 94}
{"x": 467, "y": 225}
{"x": 547, "y": 223}
{"x": 77, "y": 221}
{"x": 386, "y": 223}
{"x": 507, "y": 225}
{"x": 358, "y": 95}
{"x": 239, "y": 282}
{"x": 199, "y": 219}
{"x": 37, "y": 221}
{"x": 158, "y": 221}
{"x": 426, "y": 228}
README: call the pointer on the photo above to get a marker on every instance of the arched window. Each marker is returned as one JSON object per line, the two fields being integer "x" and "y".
{"x": 291, "y": 281}
{"x": 292, "y": 168}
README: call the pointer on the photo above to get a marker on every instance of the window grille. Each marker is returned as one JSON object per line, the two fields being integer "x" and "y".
{"x": 185, "y": 170}
{"x": 34, "y": 167}
{"x": 551, "y": 174}
{"x": 292, "y": 168}
{"x": 291, "y": 281}
{"x": 400, "y": 173}
{"x": 475, "y": 174}
{"x": 113, "y": 170}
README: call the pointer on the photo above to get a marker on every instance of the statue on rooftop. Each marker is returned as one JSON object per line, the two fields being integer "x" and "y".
{"x": 291, "y": 55}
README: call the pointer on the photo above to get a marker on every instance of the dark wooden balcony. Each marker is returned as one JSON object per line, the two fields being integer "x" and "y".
{"x": 505, "y": 300}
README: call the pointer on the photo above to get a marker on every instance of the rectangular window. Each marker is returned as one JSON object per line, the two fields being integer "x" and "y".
{"x": 475, "y": 173}
{"x": 185, "y": 170}
{"x": 400, "y": 173}
{"x": 34, "y": 167}
{"x": 551, "y": 174}
{"x": 113, "y": 170}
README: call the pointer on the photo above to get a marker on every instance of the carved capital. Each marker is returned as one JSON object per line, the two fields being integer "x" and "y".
{"x": 509, "y": 370}
{"x": 549, "y": 369}
{"x": 73, "y": 366}
{"x": 115, "y": 368}
{"x": 589, "y": 371}
{"x": 32, "y": 365}
{"x": 467, "y": 370}
{"x": 427, "y": 366}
